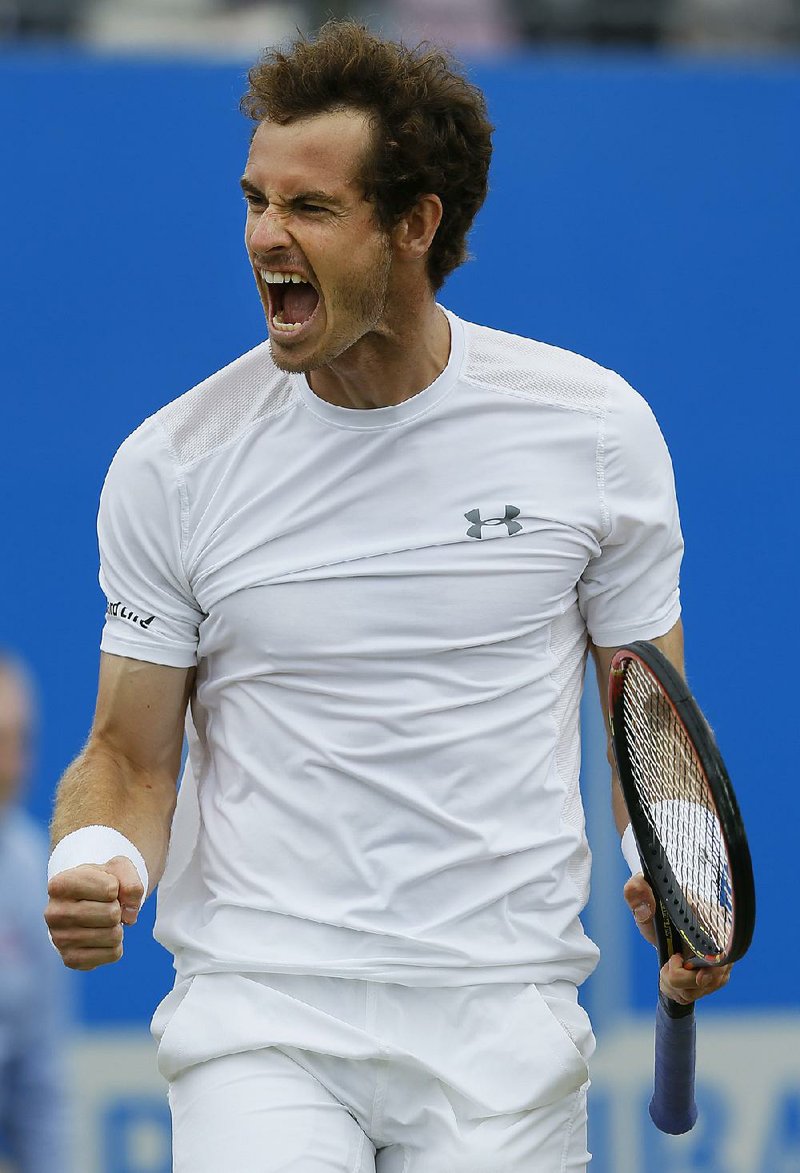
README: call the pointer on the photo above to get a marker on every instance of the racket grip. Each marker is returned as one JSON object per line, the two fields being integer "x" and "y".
{"x": 673, "y": 1108}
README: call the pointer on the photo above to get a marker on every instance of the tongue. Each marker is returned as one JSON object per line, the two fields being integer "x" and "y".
{"x": 299, "y": 302}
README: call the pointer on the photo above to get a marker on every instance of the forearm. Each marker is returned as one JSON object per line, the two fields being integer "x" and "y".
{"x": 103, "y": 787}
{"x": 618, "y": 808}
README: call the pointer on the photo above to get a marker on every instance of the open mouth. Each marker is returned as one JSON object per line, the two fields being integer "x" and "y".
{"x": 293, "y": 301}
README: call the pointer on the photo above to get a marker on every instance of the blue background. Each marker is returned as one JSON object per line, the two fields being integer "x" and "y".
{"x": 643, "y": 212}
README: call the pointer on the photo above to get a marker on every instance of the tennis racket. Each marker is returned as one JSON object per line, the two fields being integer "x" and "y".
{"x": 691, "y": 843}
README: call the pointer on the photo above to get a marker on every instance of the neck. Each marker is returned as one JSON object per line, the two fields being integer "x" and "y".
{"x": 392, "y": 363}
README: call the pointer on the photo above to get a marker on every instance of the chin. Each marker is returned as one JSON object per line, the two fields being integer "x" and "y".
{"x": 305, "y": 360}
{"x": 290, "y": 364}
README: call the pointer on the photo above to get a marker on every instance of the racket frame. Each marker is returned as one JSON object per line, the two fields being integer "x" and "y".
{"x": 673, "y": 1108}
{"x": 675, "y": 917}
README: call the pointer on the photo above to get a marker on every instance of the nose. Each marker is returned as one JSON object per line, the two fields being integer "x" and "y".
{"x": 269, "y": 232}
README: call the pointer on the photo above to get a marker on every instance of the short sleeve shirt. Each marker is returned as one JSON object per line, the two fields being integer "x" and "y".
{"x": 389, "y": 612}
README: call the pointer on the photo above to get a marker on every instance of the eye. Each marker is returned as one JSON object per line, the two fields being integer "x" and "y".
{"x": 252, "y": 200}
{"x": 312, "y": 208}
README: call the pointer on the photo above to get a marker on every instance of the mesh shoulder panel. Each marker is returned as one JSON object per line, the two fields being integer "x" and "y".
{"x": 547, "y": 374}
{"x": 226, "y": 405}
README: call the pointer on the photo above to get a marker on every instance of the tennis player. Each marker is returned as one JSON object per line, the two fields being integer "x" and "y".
{"x": 369, "y": 556}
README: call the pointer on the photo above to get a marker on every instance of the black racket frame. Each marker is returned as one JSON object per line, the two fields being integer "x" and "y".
{"x": 674, "y": 911}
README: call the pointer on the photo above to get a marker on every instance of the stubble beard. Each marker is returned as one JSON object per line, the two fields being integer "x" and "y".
{"x": 361, "y": 305}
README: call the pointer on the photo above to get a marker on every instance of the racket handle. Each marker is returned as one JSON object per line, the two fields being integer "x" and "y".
{"x": 672, "y": 1108}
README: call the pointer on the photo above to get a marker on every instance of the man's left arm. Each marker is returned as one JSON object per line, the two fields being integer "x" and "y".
{"x": 677, "y": 982}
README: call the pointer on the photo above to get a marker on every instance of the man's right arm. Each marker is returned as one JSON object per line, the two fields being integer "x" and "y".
{"x": 124, "y": 779}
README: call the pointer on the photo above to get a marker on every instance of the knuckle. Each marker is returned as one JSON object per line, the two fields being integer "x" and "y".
{"x": 59, "y": 926}
{"x": 60, "y": 881}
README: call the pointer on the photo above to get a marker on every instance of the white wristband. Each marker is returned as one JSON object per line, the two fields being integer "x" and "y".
{"x": 95, "y": 844}
{"x": 630, "y": 851}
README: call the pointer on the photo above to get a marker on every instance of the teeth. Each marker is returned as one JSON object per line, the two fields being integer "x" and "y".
{"x": 286, "y": 327}
{"x": 282, "y": 278}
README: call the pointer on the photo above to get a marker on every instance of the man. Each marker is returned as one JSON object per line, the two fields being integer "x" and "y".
{"x": 33, "y": 1132}
{"x": 369, "y": 555}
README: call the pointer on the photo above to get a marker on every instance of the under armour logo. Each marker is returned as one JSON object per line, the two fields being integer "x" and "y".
{"x": 476, "y": 528}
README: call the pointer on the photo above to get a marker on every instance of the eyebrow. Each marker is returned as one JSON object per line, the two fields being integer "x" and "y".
{"x": 303, "y": 197}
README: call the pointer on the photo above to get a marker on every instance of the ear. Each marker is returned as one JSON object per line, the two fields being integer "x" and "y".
{"x": 414, "y": 232}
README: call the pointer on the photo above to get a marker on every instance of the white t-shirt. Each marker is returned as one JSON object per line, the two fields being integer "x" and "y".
{"x": 388, "y": 610}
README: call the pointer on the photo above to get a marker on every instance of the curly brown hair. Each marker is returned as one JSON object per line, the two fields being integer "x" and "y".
{"x": 432, "y": 134}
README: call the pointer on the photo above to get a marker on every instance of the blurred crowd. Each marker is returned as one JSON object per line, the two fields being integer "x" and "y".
{"x": 231, "y": 27}
{"x": 34, "y": 1129}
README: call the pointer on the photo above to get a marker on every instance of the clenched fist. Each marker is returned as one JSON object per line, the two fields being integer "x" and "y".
{"x": 87, "y": 908}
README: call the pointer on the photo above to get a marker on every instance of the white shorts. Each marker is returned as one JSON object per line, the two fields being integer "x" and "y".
{"x": 328, "y": 1075}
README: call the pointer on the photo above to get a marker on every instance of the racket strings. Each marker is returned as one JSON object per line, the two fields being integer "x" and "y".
{"x": 676, "y": 801}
